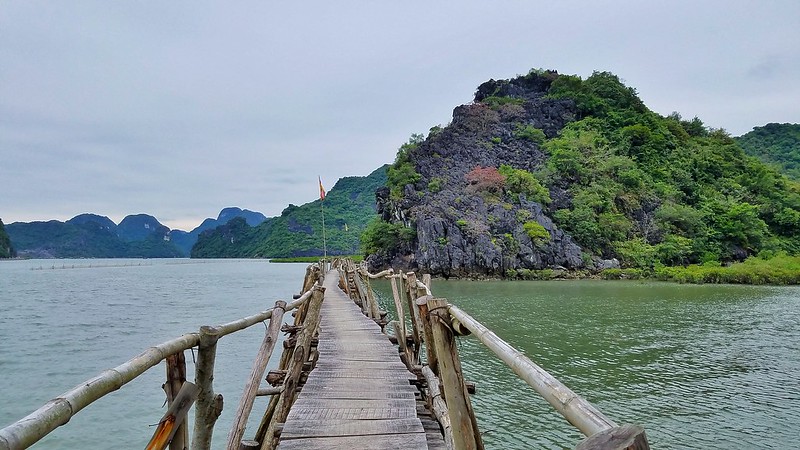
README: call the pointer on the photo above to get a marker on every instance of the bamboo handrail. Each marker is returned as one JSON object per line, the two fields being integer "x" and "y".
{"x": 579, "y": 412}
{"x": 36, "y": 425}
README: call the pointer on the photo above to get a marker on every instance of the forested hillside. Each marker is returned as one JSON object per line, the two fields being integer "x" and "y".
{"x": 549, "y": 171}
{"x": 348, "y": 207}
{"x": 777, "y": 144}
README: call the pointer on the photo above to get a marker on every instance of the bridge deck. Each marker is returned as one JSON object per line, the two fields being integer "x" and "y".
{"x": 359, "y": 395}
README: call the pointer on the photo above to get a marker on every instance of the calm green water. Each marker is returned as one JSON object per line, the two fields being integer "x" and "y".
{"x": 711, "y": 367}
{"x": 697, "y": 366}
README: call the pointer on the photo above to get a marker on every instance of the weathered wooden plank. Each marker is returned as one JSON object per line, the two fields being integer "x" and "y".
{"x": 314, "y": 428}
{"x": 367, "y": 365}
{"x": 343, "y": 404}
{"x": 358, "y": 394}
{"x": 357, "y": 413}
{"x": 376, "y": 374}
{"x": 312, "y": 388}
{"x": 384, "y": 442}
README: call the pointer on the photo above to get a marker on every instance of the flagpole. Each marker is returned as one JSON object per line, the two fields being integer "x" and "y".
{"x": 322, "y": 211}
{"x": 324, "y": 241}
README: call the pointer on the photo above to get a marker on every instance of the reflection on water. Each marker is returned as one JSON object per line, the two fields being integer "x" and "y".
{"x": 697, "y": 366}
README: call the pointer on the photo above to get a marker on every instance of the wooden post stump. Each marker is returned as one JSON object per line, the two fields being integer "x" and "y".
{"x": 626, "y": 437}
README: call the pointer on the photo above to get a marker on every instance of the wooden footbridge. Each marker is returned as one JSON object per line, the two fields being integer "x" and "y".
{"x": 343, "y": 381}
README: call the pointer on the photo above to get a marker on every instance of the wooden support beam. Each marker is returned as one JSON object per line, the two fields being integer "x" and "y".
{"x": 176, "y": 377}
{"x": 459, "y": 408}
{"x": 174, "y": 417}
{"x": 251, "y": 387}
{"x": 262, "y": 392}
{"x": 437, "y": 404}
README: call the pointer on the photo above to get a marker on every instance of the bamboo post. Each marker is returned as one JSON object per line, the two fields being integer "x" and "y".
{"x": 209, "y": 404}
{"x": 173, "y": 418}
{"x": 465, "y": 433}
{"x": 430, "y": 349}
{"x": 259, "y": 366}
{"x": 176, "y": 377}
{"x": 626, "y": 437}
{"x": 437, "y": 404}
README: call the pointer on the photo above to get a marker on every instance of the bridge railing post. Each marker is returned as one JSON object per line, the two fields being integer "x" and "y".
{"x": 410, "y": 290}
{"x": 459, "y": 407}
{"x": 402, "y": 333}
{"x": 209, "y": 405}
{"x": 430, "y": 348}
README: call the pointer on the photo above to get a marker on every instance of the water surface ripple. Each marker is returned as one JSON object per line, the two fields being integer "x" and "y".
{"x": 712, "y": 367}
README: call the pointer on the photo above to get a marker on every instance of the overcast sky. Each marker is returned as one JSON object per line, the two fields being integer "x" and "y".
{"x": 178, "y": 109}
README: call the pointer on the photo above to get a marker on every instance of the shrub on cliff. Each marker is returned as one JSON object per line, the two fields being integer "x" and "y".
{"x": 380, "y": 236}
{"x": 485, "y": 180}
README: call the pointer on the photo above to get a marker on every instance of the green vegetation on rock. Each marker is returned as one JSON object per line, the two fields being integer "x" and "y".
{"x": 402, "y": 172}
{"x": 655, "y": 190}
{"x": 381, "y": 236}
{"x": 604, "y": 176}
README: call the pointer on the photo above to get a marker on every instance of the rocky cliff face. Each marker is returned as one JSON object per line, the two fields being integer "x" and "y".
{"x": 6, "y": 250}
{"x": 461, "y": 228}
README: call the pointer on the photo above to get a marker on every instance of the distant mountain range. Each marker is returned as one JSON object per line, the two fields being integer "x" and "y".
{"x": 94, "y": 236}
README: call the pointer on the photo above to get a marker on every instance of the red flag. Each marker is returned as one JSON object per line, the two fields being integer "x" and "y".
{"x": 321, "y": 190}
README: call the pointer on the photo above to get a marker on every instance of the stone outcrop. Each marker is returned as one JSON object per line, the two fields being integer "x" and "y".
{"x": 464, "y": 233}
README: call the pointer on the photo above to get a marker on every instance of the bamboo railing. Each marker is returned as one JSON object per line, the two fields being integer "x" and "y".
{"x": 172, "y": 428}
{"x": 435, "y": 324}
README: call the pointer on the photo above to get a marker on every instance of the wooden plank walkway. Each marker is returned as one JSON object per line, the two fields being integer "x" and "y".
{"x": 358, "y": 396}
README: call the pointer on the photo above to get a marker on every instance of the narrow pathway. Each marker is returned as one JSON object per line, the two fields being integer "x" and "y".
{"x": 359, "y": 395}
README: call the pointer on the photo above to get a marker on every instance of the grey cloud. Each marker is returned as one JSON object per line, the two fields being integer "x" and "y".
{"x": 178, "y": 109}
